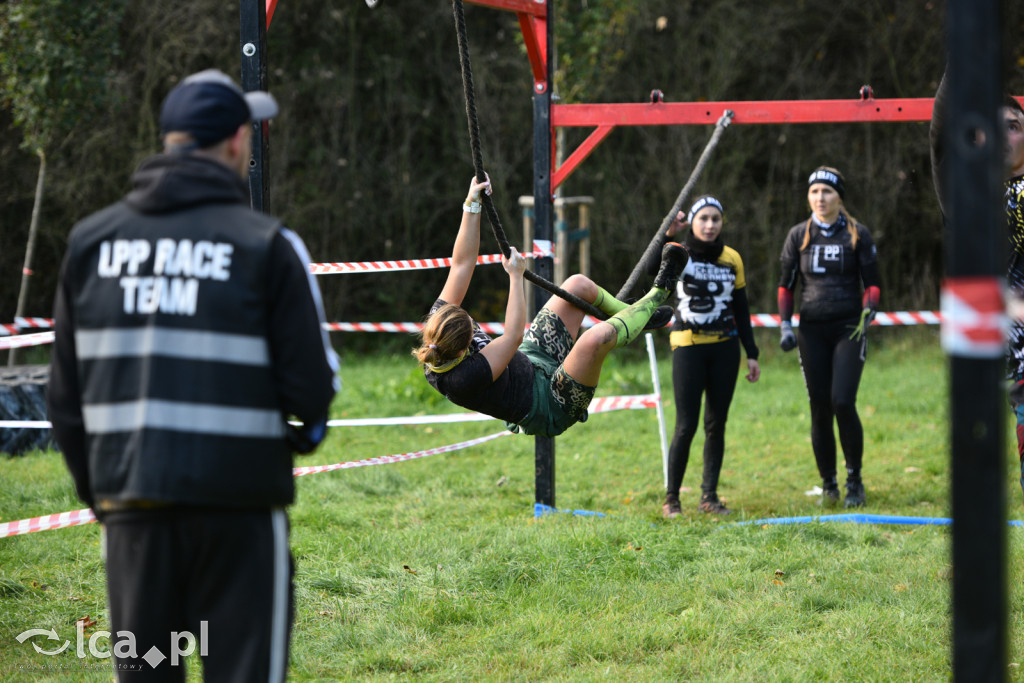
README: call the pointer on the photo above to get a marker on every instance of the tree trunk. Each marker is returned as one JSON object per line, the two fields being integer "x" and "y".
{"x": 26, "y": 270}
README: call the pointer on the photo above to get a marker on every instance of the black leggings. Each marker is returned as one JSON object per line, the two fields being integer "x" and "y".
{"x": 832, "y": 365}
{"x": 709, "y": 369}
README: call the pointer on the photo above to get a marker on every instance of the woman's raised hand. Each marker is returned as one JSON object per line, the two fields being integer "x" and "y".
{"x": 678, "y": 225}
{"x": 514, "y": 263}
{"x": 476, "y": 187}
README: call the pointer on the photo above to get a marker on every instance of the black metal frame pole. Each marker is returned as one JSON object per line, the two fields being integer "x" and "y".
{"x": 253, "y": 43}
{"x": 544, "y": 448}
{"x": 975, "y": 248}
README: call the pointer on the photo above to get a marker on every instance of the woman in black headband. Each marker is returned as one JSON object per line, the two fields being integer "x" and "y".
{"x": 712, "y": 319}
{"x": 835, "y": 258}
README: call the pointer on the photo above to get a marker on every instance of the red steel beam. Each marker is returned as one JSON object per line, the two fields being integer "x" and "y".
{"x": 535, "y": 33}
{"x": 538, "y": 8}
{"x": 605, "y": 117}
{"x": 749, "y": 112}
{"x": 533, "y": 17}
{"x": 579, "y": 154}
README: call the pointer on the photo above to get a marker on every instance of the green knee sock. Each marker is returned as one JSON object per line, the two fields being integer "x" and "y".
{"x": 608, "y": 304}
{"x": 630, "y": 321}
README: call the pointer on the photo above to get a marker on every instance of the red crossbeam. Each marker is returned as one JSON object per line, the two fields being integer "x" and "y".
{"x": 534, "y": 7}
{"x": 746, "y": 112}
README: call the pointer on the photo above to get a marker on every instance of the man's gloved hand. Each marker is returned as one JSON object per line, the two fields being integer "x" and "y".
{"x": 305, "y": 438}
{"x": 788, "y": 340}
{"x": 866, "y": 316}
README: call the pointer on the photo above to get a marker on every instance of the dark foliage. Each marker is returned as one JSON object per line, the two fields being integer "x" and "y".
{"x": 370, "y": 155}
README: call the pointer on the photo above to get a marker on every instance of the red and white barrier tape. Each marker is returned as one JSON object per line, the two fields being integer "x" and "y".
{"x": 489, "y": 328}
{"x": 388, "y": 459}
{"x": 881, "y": 319}
{"x": 59, "y": 521}
{"x": 27, "y": 323}
{"x": 892, "y": 319}
{"x": 540, "y": 248}
{"x": 598, "y": 405}
{"x": 603, "y": 404}
{"x": 22, "y": 340}
{"x": 85, "y": 516}
{"x": 24, "y": 324}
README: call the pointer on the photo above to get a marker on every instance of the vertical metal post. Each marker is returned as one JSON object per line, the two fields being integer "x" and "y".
{"x": 253, "y": 43}
{"x": 544, "y": 448}
{"x": 975, "y": 246}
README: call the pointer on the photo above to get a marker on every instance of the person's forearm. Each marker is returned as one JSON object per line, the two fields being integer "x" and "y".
{"x": 785, "y": 301}
{"x": 515, "y": 310}
{"x": 467, "y": 243}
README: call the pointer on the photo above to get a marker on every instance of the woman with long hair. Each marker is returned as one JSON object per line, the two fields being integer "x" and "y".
{"x": 540, "y": 383}
{"x": 835, "y": 259}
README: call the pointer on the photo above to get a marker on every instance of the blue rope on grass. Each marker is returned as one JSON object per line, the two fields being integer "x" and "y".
{"x": 539, "y": 509}
{"x": 857, "y": 518}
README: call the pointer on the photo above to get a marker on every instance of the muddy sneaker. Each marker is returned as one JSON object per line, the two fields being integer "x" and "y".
{"x": 671, "y": 508}
{"x": 662, "y": 316}
{"x": 829, "y": 494}
{"x": 855, "y": 496}
{"x": 710, "y": 503}
{"x": 673, "y": 259}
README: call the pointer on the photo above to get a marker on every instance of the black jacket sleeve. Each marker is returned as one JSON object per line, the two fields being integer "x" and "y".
{"x": 63, "y": 399}
{"x": 305, "y": 365}
{"x": 741, "y": 312}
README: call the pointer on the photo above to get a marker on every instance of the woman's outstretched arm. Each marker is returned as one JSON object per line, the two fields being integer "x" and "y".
{"x": 467, "y": 246}
{"x": 500, "y": 351}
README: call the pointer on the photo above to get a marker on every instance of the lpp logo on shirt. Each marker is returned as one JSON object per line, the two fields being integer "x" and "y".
{"x": 826, "y": 258}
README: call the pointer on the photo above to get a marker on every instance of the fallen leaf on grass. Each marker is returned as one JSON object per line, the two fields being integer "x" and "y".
{"x": 408, "y": 569}
{"x": 630, "y": 546}
{"x": 779, "y": 573}
{"x": 912, "y": 469}
{"x": 778, "y": 583}
{"x": 325, "y": 613}
{"x": 86, "y": 622}
{"x": 502, "y": 481}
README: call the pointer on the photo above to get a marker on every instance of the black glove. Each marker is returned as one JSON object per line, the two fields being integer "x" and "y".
{"x": 788, "y": 340}
{"x": 305, "y": 438}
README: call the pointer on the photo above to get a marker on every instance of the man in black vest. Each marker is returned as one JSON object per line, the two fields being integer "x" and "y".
{"x": 188, "y": 334}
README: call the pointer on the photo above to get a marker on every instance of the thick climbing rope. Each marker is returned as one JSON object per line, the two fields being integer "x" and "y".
{"x": 656, "y": 244}
{"x": 478, "y": 169}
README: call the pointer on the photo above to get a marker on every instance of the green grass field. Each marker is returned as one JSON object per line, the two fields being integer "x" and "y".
{"x": 436, "y": 569}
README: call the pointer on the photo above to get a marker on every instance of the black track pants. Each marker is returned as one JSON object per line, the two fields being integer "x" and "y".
{"x": 224, "y": 577}
{"x": 832, "y": 364}
{"x": 702, "y": 370}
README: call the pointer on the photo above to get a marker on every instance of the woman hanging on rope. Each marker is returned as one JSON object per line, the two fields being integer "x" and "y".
{"x": 836, "y": 259}
{"x": 540, "y": 384}
{"x": 712, "y": 319}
